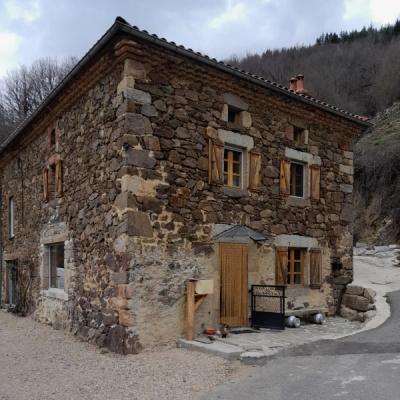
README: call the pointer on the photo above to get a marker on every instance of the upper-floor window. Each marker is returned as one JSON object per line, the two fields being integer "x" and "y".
{"x": 233, "y": 167}
{"x": 296, "y": 179}
{"x": 11, "y": 217}
{"x": 233, "y": 116}
{"x": 300, "y": 175}
{"x": 52, "y": 137}
{"x": 52, "y": 181}
{"x": 234, "y": 162}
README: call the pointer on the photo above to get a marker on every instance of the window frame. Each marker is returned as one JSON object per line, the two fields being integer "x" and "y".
{"x": 11, "y": 217}
{"x": 233, "y": 116}
{"x": 293, "y": 184}
{"x": 291, "y": 260}
{"x": 50, "y": 266}
{"x": 229, "y": 173}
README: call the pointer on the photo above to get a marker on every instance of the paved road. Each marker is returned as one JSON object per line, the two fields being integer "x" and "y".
{"x": 363, "y": 366}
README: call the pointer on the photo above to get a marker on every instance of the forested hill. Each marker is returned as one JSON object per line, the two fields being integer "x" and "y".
{"x": 357, "y": 71}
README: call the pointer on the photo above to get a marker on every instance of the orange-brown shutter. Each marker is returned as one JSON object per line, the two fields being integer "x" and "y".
{"x": 315, "y": 268}
{"x": 46, "y": 185}
{"x": 285, "y": 178}
{"x": 215, "y": 161}
{"x": 59, "y": 186}
{"x": 315, "y": 182}
{"x": 255, "y": 169}
{"x": 281, "y": 265}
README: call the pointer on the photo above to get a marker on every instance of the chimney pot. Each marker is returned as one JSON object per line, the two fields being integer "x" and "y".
{"x": 300, "y": 82}
{"x": 293, "y": 84}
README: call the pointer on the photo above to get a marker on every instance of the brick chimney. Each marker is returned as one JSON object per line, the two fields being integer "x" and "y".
{"x": 300, "y": 82}
{"x": 293, "y": 84}
{"x": 300, "y": 86}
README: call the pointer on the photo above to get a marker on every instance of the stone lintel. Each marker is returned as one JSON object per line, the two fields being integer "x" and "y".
{"x": 62, "y": 237}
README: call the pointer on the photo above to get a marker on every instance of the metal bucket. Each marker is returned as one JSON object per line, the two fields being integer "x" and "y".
{"x": 317, "y": 319}
{"x": 292, "y": 322}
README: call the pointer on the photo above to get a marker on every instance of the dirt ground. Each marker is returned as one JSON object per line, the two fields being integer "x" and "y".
{"x": 38, "y": 362}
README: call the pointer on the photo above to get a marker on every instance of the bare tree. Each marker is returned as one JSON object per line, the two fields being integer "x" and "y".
{"x": 23, "y": 89}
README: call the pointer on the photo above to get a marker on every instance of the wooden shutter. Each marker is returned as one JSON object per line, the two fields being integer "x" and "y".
{"x": 315, "y": 182}
{"x": 46, "y": 185}
{"x": 59, "y": 186}
{"x": 281, "y": 265}
{"x": 255, "y": 170}
{"x": 315, "y": 268}
{"x": 285, "y": 178}
{"x": 215, "y": 162}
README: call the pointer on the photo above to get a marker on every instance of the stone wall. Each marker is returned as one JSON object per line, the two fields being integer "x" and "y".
{"x": 138, "y": 209}
{"x": 358, "y": 303}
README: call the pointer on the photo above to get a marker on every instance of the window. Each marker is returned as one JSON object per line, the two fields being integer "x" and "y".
{"x": 233, "y": 162}
{"x": 233, "y": 167}
{"x": 233, "y": 116}
{"x": 11, "y": 217}
{"x": 291, "y": 265}
{"x": 295, "y": 266}
{"x": 56, "y": 265}
{"x": 300, "y": 180}
{"x": 297, "y": 136}
{"x": 296, "y": 179}
{"x": 11, "y": 282}
{"x": 52, "y": 182}
{"x": 52, "y": 137}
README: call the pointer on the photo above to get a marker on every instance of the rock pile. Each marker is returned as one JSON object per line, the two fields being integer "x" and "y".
{"x": 358, "y": 303}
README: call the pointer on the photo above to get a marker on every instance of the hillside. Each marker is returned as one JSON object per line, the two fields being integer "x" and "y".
{"x": 377, "y": 181}
{"x": 386, "y": 127}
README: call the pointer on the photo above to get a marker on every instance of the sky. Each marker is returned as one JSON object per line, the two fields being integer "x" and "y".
{"x": 33, "y": 29}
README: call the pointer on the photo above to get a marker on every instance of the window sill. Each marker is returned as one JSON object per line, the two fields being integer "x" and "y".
{"x": 298, "y": 202}
{"x": 55, "y": 293}
{"x": 234, "y": 192}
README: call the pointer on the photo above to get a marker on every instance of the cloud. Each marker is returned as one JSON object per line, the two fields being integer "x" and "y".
{"x": 9, "y": 45}
{"x": 384, "y": 11}
{"x": 27, "y": 11}
{"x": 232, "y": 14}
{"x": 377, "y": 12}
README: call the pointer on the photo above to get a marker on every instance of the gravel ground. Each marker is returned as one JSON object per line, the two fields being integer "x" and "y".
{"x": 38, "y": 362}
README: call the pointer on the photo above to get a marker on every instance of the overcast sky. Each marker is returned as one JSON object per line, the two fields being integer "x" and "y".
{"x": 31, "y": 29}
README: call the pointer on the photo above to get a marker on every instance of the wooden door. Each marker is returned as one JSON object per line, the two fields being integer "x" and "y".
{"x": 233, "y": 283}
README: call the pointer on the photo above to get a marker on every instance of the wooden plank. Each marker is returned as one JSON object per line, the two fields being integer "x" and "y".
{"x": 234, "y": 271}
{"x": 190, "y": 307}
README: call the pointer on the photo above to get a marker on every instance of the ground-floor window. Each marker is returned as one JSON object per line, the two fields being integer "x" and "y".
{"x": 295, "y": 266}
{"x": 11, "y": 282}
{"x": 56, "y": 265}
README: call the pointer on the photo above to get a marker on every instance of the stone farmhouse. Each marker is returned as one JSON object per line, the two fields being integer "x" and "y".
{"x": 151, "y": 166}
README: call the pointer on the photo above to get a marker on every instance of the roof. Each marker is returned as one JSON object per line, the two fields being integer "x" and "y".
{"x": 120, "y": 26}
